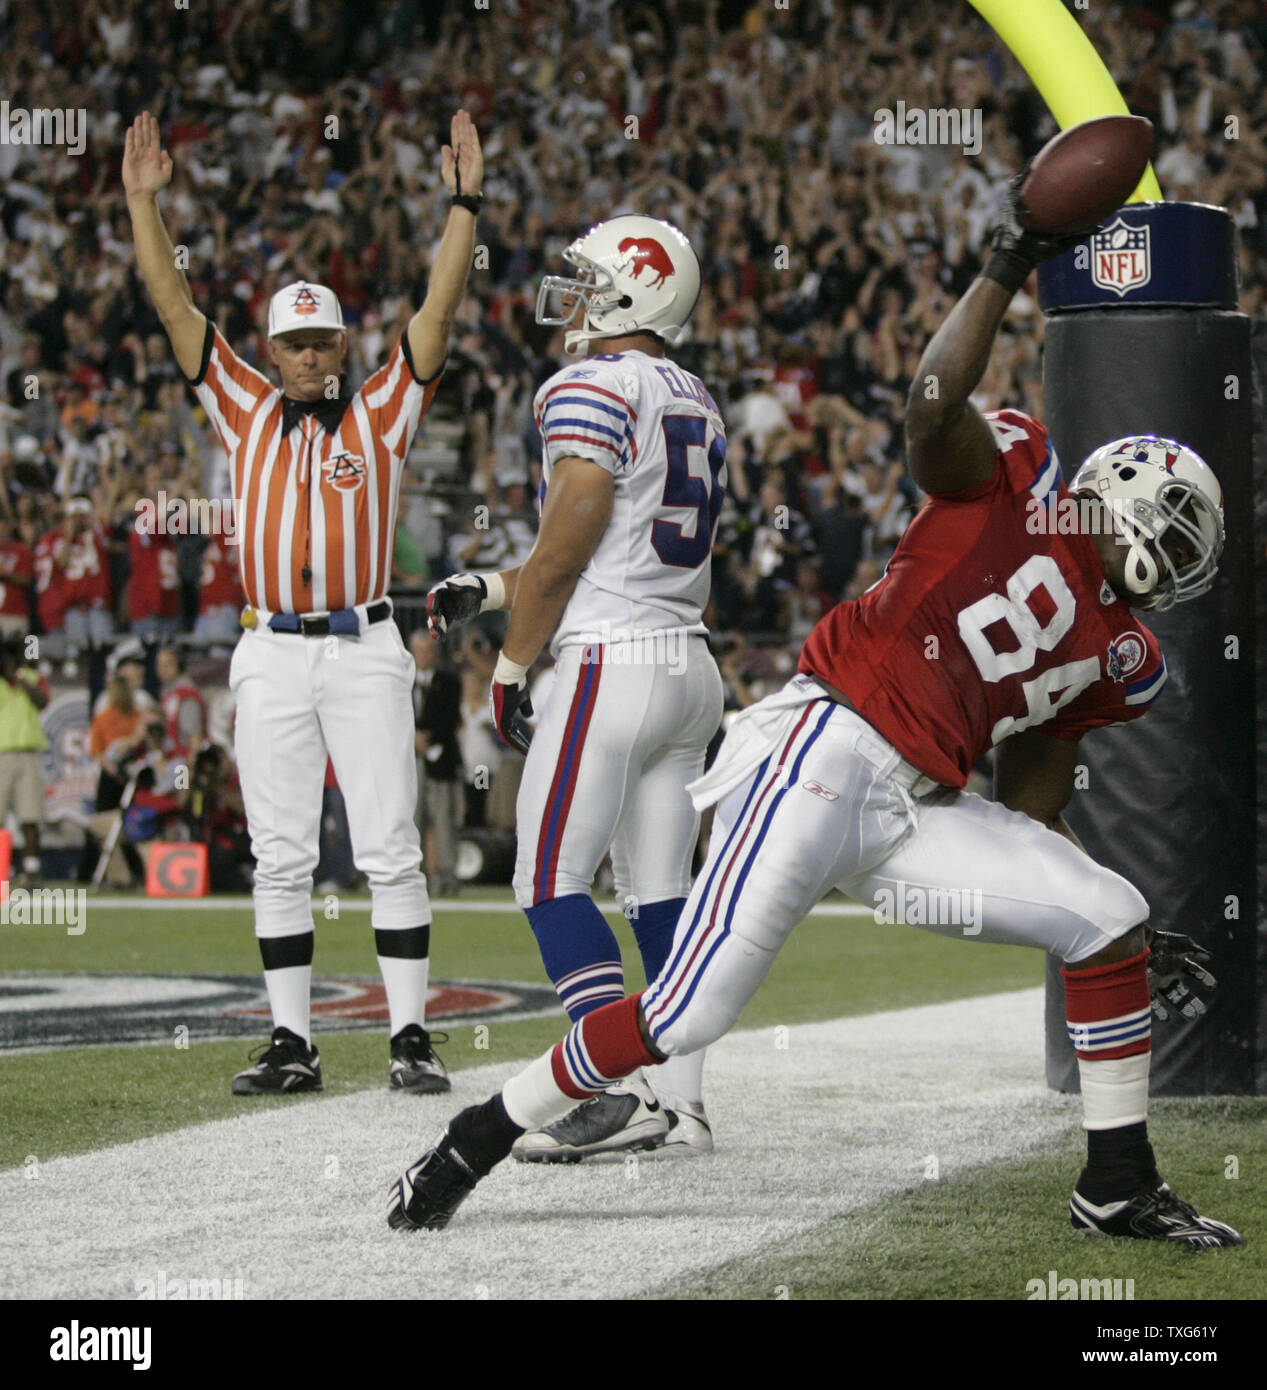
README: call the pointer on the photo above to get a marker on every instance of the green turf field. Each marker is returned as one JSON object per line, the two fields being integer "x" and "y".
{"x": 832, "y": 967}
{"x": 978, "y": 1234}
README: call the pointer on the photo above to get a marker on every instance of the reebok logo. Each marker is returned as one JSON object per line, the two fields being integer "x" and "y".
{"x": 819, "y": 790}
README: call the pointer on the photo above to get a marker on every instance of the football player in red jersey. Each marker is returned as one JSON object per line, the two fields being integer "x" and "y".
{"x": 1003, "y": 619}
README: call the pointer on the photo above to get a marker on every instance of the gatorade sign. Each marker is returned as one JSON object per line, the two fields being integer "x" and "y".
{"x": 178, "y": 871}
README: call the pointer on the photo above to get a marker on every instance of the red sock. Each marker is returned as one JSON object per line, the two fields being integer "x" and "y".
{"x": 601, "y": 1048}
{"x": 1108, "y": 1009}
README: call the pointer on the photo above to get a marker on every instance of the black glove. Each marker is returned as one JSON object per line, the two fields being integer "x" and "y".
{"x": 1171, "y": 957}
{"x": 455, "y": 600}
{"x": 510, "y": 707}
{"x": 1015, "y": 251}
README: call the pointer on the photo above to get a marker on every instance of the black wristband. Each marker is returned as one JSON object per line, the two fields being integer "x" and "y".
{"x": 1009, "y": 269}
{"x": 470, "y": 201}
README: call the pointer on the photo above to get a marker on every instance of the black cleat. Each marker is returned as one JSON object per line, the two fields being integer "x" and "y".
{"x": 425, "y": 1196}
{"x": 283, "y": 1066}
{"x": 626, "y": 1119}
{"x": 1155, "y": 1214}
{"x": 415, "y": 1066}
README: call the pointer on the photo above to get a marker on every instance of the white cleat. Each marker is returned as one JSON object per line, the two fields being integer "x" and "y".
{"x": 626, "y": 1119}
{"x": 690, "y": 1134}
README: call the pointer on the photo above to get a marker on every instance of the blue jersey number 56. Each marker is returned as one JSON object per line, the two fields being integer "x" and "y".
{"x": 682, "y": 488}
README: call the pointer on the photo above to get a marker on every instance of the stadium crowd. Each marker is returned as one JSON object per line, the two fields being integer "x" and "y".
{"x": 306, "y": 134}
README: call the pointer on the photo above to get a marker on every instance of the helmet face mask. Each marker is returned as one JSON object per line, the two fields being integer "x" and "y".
{"x": 1176, "y": 563}
{"x": 1167, "y": 509}
{"x": 594, "y": 281}
{"x": 636, "y": 275}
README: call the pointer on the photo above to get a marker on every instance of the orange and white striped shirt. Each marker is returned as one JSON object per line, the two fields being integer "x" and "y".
{"x": 311, "y": 499}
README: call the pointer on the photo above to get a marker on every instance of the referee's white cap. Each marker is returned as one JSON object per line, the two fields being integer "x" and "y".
{"x": 303, "y": 305}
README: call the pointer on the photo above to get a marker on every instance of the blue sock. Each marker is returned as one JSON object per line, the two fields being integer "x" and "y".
{"x": 579, "y": 951}
{"x": 653, "y": 930}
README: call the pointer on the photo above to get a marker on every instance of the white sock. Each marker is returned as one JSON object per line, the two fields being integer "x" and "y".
{"x": 289, "y": 991}
{"x": 682, "y": 1077}
{"x": 406, "y": 984}
{"x": 533, "y": 1098}
{"x": 1114, "y": 1092}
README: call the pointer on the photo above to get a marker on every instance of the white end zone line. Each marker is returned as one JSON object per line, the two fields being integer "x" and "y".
{"x": 812, "y": 1122}
{"x": 243, "y": 902}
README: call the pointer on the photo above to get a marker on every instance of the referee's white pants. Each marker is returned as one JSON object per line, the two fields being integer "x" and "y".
{"x": 299, "y": 699}
{"x": 829, "y": 806}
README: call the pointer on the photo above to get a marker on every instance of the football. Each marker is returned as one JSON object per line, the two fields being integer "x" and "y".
{"x": 1085, "y": 173}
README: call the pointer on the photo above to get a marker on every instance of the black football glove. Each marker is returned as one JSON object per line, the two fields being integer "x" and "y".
{"x": 455, "y": 600}
{"x": 1171, "y": 957}
{"x": 510, "y": 708}
{"x": 1016, "y": 252}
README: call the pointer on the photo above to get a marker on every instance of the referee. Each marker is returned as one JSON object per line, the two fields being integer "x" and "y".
{"x": 321, "y": 670}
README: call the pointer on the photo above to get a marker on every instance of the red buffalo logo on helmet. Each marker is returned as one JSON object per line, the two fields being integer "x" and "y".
{"x": 305, "y": 301}
{"x": 643, "y": 250}
{"x": 344, "y": 471}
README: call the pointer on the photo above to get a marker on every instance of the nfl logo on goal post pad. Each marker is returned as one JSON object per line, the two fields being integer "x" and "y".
{"x": 1155, "y": 254}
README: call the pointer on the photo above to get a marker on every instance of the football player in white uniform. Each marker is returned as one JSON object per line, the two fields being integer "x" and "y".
{"x": 634, "y": 472}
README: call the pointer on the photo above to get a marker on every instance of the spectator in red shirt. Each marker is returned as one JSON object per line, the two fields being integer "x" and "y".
{"x": 153, "y": 584}
{"x": 184, "y": 709}
{"x": 50, "y": 578}
{"x": 17, "y": 570}
{"x": 84, "y": 556}
{"x": 220, "y": 591}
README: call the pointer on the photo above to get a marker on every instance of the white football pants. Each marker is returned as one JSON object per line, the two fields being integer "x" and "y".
{"x": 623, "y": 731}
{"x": 299, "y": 699}
{"x": 829, "y": 806}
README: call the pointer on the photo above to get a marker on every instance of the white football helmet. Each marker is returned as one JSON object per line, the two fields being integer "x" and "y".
{"x": 638, "y": 274}
{"x": 1156, "y": 488}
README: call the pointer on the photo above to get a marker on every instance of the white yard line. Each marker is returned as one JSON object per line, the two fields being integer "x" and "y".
{"x": 813, "y": 1122}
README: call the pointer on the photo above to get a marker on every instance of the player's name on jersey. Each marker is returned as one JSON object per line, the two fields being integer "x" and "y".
{"x": 687, "y": 388}
{"x": 624, "y": 646}
{"x": 1088, "y": 516}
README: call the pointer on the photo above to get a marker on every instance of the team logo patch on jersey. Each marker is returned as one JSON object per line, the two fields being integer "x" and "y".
{"x": 819, "y": 790}
{"x": 1126, "y": 655}
{"x": 344, "y": 471}
{"x": 1120, "y": 258}
{"x": 646, "y": 251}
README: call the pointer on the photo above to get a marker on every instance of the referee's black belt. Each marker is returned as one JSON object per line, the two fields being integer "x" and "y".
{"x": 344, "y": 622}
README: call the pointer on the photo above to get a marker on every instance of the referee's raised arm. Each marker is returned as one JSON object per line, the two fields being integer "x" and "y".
{"x": 462, "y": 168}
{"x": 147, "y": 168}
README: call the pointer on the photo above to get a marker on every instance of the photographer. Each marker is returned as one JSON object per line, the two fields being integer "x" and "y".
{"x": 120, "y": 737}
{"x": 23, "y": 693}
{"x": 217, "y": 818}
